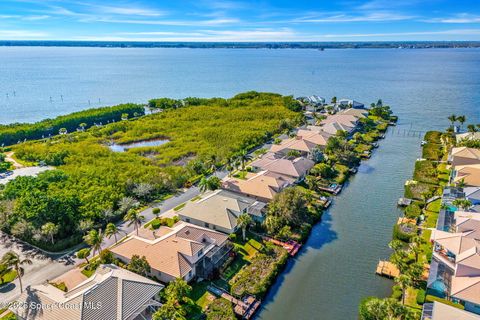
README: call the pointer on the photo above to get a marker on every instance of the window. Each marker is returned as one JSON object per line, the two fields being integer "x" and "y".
{"x": 207, "y": 225}
{"x": 187, "y": 219}
{"x": 199, "y": 252}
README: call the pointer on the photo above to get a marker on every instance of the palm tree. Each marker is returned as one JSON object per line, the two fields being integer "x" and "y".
{"x": 203, "y": 184}
{"x": 461, "y": 183}
{"x": 13, "y": 260}
{"x": 49, "y": 230}
{"x": 471, "y": 128}
{"x": 127, "y": 203}
{"x": 82, "y": 126}
{"x": 134, "y": 217}
{"x": 244, "y": 220}
{"x": 212, "y": 163}
{"x": 404, "y": 281}
{"x": 94, "y": 239}
{"x": 462, "y": 120}
{"x": 453, "y": 119}
{"x": 415, "y": 246}
{"x": 244, "y": 156}
{"x": 111, "y": 230}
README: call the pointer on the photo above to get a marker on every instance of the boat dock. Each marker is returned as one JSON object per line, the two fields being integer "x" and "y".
{"x": 387, "y": 269}
{"x": 291, "y": 246}
{"x": 244, "y": 308}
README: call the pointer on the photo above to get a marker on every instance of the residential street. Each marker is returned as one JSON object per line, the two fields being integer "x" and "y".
{"x": 45, "y": 268}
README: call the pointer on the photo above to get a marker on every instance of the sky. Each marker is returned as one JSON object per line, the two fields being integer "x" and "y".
{"x": 228, "y": 20}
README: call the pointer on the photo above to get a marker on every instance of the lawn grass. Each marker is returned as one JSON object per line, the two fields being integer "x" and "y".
{"x": 411, "y": 298}
{"x": 200, "y": 294}
{"x": 431, "y": 213}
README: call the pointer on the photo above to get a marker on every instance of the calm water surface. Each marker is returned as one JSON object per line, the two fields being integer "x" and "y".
{"x": 335, "y": 270}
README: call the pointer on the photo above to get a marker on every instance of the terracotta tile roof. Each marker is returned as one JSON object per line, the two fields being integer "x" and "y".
{"x": 265, "y": 184}
{"x": 220, "y": 208}
{"x": 171, "y": 252}
{"x": 470, "y": 174}
{"x": 292, "y": 167}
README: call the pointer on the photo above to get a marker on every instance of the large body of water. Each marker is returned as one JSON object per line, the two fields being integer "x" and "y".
{"x": 335, "y": 269}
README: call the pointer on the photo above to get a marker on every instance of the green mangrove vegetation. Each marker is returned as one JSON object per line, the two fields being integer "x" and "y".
{"x": 92, "y": 185}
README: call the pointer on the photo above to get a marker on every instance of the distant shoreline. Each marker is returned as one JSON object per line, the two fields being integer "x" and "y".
{"x": 247, "y": 45}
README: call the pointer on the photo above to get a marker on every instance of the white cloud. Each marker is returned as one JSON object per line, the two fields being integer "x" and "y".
{"x": 22, "y": 35}
{"x": 192, "y": 23}
{"x": 399, "y": 34}
{"x": 368, "y": 17}
{"x": 458, "y": 18}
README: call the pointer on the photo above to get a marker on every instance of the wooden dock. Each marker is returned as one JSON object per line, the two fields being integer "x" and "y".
{"x": 291, "y": 246}
{"x": 387, "y": 269}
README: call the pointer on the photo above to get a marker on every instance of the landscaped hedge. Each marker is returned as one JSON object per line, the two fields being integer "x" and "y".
{"x": 421, "y": 296}
{"x": 256, "y": 278}
{"x": 12, "y": 133}
{"x": 432, "y": 151}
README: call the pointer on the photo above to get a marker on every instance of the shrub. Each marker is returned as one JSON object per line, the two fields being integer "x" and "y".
{"x": 106, "y": 257}
{"x": 220, "y": 309}
{"x": 420, "y": 296}
{"x": 396, "y": 292}
{"x": 425, "y": 171}
{"x": 413, "y": 211}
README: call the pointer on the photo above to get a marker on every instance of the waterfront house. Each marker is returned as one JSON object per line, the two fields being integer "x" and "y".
{"x": 184, "y": 251}
{"x": 319, "y": 138}
{"x": 333, "y": 127}
{"x": 349, "y": 103}
{"x": 455, "y": 266}
{"x": 262, "y": 186}
{"x": 441, "y": 311}
{"x": 111, "y": 293}
{"x": 343, "y": 119}
{"x": 358, "y": 113}
{"x": 462, "y": 156}
{"x": 219, "y": 210}
{"x": 468, "y": 174}
{"x": 296, "y": 168}
{"x": 303, "y": 147}
{"x": 472, "y": 194}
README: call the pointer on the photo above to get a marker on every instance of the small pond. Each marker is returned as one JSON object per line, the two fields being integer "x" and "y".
{"x": 124, "y": 147}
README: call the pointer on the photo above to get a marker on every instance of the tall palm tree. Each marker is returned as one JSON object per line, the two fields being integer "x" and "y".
{"x": 462, "y": 120}
{"x": 404, "y": 281}
{"x": 134, "y": 217}
{"x": 244, "y": 156}
{"x": 111, "y": 230}
{"x": 244, "y": 220}
{"x": 13, "y": 260}
{"x": 94, "y": 239}
{"x": 453, "y": 119}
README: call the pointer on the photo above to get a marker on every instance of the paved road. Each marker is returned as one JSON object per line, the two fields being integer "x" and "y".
{"x": 45, "y": 268}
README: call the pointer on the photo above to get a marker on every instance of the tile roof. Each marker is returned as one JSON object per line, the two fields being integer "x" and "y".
{"x": 221, "y": 208}
{"x": 292, "y": 167}
{"x": 171, "y": 252}
{"x": 470, "y": 174}
{"x": 265, "y": 184}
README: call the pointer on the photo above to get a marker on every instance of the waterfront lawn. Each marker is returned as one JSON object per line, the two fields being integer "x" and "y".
{"x": 200, "y": 294}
